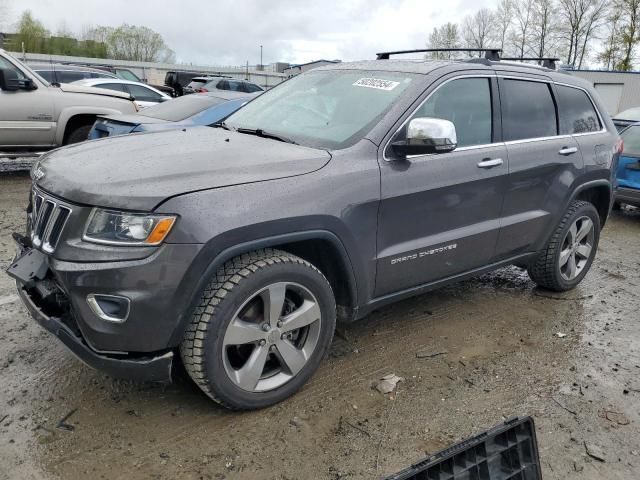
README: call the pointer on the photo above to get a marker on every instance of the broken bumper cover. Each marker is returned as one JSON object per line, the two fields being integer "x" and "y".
{"x": 628, "y": 195}
{"x": 156, "y": 368}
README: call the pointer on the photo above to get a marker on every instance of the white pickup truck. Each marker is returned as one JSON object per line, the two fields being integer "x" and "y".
{"x": 36, "y": 116}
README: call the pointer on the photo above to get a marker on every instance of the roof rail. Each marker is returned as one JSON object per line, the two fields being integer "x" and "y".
{"x": 489, "y": 53}
{"x": 547, "y": 62}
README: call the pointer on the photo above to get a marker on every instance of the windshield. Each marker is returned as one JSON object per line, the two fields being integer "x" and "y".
{"x": 631, "y": 139}
{"x": 630, "y": 114}
{"x": 330, "y": 109}
{"x": 181, "y": 108}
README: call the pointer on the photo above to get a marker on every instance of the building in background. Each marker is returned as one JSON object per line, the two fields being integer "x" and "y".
{"x": 618, "y": 90}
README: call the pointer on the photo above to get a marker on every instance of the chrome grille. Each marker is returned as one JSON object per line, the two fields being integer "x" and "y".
{"x": 47, "y": 220}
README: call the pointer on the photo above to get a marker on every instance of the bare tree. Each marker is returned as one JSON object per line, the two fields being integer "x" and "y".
{"x": 523, "y": 20}
{"x": 544, "y": 27}
{"x": 478, "y": 30}
{"x": 611, "y": 54}
{"x": 444, "y": 36}
{"x": 503, "y": 22}
{"x": 630, "y": 14}
{"x": 581, "y": 20}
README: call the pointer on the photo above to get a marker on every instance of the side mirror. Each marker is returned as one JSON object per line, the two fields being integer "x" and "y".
{"x": 9, "y": 80}
{"x": 427, "y": 135}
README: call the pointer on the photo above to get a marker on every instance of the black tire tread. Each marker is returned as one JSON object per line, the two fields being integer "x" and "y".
{"x": 226, "y": 279}
{"x": 542, "y": 271}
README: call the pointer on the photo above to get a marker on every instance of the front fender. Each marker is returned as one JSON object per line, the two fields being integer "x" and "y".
{"x": 214, "y": 254}
{"x": 69, "y": 112}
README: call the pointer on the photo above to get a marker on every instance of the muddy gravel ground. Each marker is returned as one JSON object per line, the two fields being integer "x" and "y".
{"x": 494, "y": 352}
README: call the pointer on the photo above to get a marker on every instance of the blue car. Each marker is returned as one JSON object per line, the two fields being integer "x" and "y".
{"x": 628, "y": 173}
{"x": 188, "y": 111}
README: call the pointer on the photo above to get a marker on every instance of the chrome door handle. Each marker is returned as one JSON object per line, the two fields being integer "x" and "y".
{"x": 490, "y": 163}
{"x": 567, "y": 150}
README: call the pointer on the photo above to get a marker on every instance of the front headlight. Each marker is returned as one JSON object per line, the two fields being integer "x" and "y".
{"x": 124, "y": 228}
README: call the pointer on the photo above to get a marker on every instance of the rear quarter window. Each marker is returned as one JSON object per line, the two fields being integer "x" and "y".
{"x": 577, "y": 113}
{"x": 528, "y": 110}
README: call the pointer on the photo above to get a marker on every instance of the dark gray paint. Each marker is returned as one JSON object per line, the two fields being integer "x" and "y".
{"x": 248, "y": 190}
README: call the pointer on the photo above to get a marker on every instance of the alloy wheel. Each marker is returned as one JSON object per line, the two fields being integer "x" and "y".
{"x": 271, "y": 337}
{"x": 577, "y": 247}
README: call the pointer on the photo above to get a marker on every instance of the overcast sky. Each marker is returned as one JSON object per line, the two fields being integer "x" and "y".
{"x": 230, "y": 32}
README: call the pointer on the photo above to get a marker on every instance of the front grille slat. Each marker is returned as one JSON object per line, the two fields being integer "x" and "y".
{"x": 48, "y": 218}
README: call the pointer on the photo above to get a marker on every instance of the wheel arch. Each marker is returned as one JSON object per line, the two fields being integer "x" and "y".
{"x": 321, "y": 248}
{"x": 73, "y": 117}
{"x": 599, "y": 193}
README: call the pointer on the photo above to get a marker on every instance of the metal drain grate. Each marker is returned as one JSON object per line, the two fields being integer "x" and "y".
{"x": 508, "y": 451}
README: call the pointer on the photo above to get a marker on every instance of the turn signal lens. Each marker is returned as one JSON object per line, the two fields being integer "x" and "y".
{"x": 160, "y": 231}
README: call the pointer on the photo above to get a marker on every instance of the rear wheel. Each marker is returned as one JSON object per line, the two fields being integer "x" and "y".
{"x": 264, "y": 323}
{"x": 570, "y": 252}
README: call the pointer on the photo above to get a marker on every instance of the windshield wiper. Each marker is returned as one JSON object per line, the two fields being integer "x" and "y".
{"x": 264, "y": 134}
{"x": 221, "y": 125}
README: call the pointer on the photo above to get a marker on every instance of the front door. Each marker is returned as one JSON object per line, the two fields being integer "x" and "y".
{"x": 440, "y": 213}
{"x": 26, "y": 116}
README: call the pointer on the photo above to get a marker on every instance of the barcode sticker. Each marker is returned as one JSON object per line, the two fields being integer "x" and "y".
{"x": 376, "y": 83}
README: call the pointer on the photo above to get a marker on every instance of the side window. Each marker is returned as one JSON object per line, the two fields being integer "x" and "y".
{"x": 223, "y": 85}
{"x": 577, "y": 114}
{"x": 111, "y": 86}
{"x": 10, "y": 66}
{"x": 251, "y": 88}
{"x": 143, "y": 94}
{"x": 46, "y": 74}
{"x": 528, "y": 110}
{"x": 467, "y": 103}
{"x": 68, "y": 76}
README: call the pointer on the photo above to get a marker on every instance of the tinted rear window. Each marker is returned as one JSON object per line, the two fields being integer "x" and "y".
{"x": 577, "y": 114}
{"x": 528, "y": 110}
{"x": 180, "y": 108}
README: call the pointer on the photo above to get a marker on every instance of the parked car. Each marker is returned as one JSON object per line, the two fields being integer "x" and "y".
{"x": 196, "y": 84}
{"x": 180, "y": 79}
{"x": 225, "y": 83}
{"x": 627, "y": 117}
{"x": 54, "y": 73}
{"x": 339, "y": 191}
{"x": 628, "y": 173}
{"x": 143, "y": 94}
{"x": 36, "y": 115}
{"x": 187, "y": 111}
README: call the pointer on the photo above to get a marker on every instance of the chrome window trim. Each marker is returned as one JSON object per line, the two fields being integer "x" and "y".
{"x": 484, "y": 145}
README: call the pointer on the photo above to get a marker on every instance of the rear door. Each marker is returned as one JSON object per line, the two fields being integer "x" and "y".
{"x": 579, "y": 118}
{"x": 542, "y": 163}
{"x": 440, "y": 214}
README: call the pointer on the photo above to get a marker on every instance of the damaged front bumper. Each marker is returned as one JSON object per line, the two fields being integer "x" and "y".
{"x": 59, "y": 321}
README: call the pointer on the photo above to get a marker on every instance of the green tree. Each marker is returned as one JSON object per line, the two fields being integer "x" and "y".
{"x": 630, "y": 29}
{"x": 31, "y": 33}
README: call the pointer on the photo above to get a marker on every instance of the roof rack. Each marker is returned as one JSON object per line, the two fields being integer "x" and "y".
{"x": 547, "y": 62}
{"x": 489, "y": 53}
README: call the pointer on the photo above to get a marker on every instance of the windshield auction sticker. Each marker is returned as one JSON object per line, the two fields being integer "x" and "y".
{"x": 376, "y": 83}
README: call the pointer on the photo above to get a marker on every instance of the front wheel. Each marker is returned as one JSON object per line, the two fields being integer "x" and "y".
{"x": 264, "y": 323}
{"x": 569, "y": 254}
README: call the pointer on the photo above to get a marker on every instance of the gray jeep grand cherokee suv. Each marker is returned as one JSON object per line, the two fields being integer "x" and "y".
{"x": 341, "y": 190}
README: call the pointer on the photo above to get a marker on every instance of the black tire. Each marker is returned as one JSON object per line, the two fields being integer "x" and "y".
{"x": 79, "y": 134}
{"x": 546, "y": 270}
{"x": 202, "y": 349}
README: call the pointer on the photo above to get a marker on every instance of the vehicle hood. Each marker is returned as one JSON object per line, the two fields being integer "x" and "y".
{"x": 138, "y": 172}
{"x": 67, "y": 87}
{"x": 132, "y": 119}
